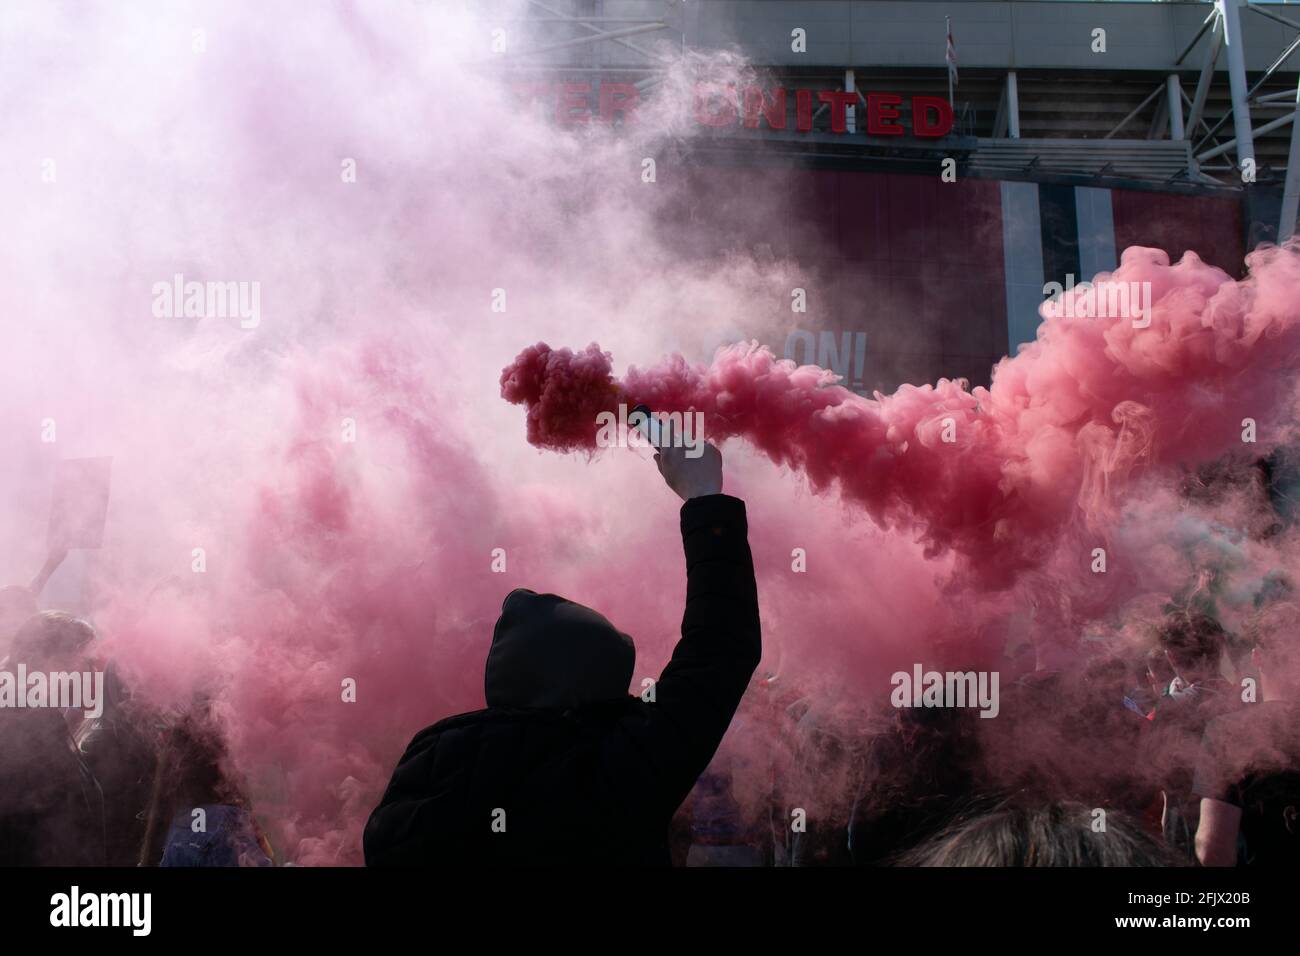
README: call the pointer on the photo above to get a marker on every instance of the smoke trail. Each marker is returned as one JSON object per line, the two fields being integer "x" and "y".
{"x": 994, "y": 474}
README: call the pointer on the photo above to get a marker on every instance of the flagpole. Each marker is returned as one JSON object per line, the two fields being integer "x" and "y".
{"x": 947, "y": 39}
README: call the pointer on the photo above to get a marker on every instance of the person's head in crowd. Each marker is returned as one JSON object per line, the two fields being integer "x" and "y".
{"x": 1193, "y": 643}
{"x": 52, "y": 640}
{"x": 17, "y": 604}
{"x": 1275, "y": 634}
{"x": 918, "y": 770}
{"x": 199, "y": 775}
{"x": 551, "y": 653}
{"x": 1055, "y": 834}
{"x": 198, "y": 762}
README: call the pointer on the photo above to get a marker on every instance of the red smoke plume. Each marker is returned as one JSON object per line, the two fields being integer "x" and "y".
{"x": 992, "y": 474}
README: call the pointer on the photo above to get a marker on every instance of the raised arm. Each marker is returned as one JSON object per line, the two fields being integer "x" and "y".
{"x": 700, "y": 689}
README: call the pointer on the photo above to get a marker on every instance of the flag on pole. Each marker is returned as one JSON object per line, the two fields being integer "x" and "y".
{"x": 951, "y": 56}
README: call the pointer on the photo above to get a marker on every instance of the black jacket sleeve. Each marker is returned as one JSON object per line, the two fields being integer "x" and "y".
{"x": 700, "y": 689}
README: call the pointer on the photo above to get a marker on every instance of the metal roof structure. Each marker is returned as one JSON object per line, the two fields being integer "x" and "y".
{"x": 1157, "y": 95}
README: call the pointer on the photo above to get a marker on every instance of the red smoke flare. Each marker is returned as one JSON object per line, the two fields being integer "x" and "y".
{"x": 992, "y": 473}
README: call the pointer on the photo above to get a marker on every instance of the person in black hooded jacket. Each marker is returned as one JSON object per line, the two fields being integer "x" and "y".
{"x": 564, "y": 766}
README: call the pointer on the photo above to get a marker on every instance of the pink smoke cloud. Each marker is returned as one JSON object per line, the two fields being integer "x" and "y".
{"x": 994, "y": 474}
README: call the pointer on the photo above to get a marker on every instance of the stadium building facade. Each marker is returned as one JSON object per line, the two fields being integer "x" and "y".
{"x": 1070, "y": 131}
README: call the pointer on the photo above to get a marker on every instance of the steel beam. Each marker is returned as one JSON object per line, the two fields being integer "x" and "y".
{"x": 1207, "y": 73}
{"x": 1291, "y": 191}
{"x": 1273, "y": 16}
{"x": 850, "y": 113}
{"x": 587, "y": 41}
{"x": 1209, "y": 17}
{"x": 1237, "y": 81}
{"x": 1013, "y": 106}
{"x": 1136, "y": 110}
{"x": 1174, "y": 89}
{"x": 1260, "y": 131}
{"x": 648, "y": 54}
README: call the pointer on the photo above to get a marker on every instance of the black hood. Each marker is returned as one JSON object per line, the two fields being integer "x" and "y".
{"x": 550, "y": 652}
